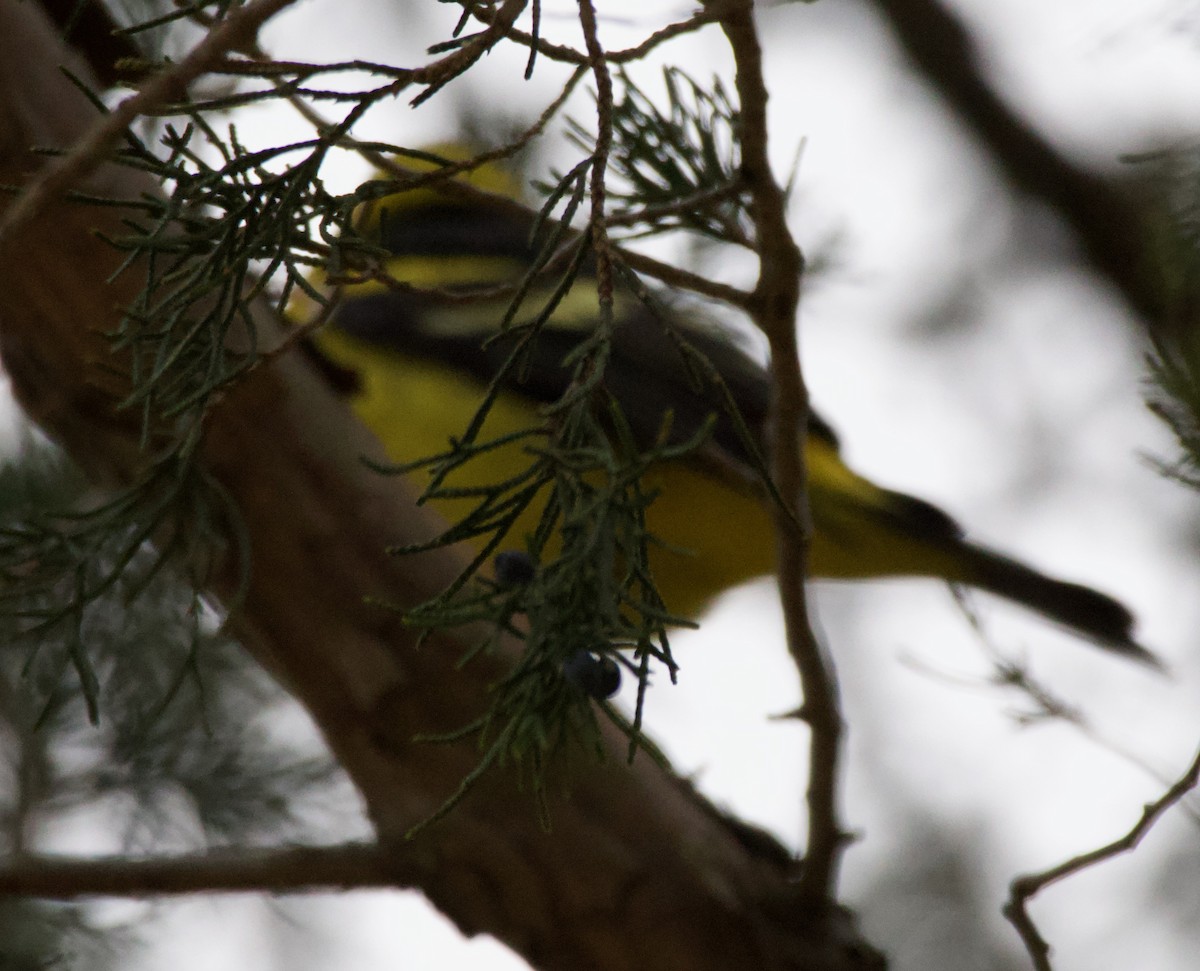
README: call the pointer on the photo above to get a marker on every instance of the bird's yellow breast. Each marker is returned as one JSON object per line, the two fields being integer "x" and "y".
{"x": 716, "y": 534}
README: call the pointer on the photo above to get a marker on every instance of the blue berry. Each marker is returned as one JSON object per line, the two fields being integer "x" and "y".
{"x": 596, "y": 677}
{"x": 514, "y": 569}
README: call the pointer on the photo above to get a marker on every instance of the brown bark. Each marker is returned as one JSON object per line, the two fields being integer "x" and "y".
{"x": 638, "y": 872}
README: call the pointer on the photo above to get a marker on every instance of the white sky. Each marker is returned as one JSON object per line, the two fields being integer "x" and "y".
{"x": 1027, "y": 425}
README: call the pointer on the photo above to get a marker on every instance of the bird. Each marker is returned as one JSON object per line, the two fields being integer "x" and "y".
{"x": 415, "y": 366}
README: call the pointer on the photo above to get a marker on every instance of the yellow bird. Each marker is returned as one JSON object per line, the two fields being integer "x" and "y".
{"x": 421, "y": 367}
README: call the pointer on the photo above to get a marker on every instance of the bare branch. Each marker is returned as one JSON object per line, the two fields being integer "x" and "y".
{"x": 774, "y": 307}
{"x": 1023, "y": 888}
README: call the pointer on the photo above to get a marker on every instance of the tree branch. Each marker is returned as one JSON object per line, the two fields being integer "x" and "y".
{"x": 294, "y": 869}
{"x": 774, "y": 307}
{"x": 1105, "y": 219}
{"x": 1023, "y": 888}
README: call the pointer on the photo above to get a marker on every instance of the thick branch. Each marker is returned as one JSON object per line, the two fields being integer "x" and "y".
{"x": 1103, "y": 217}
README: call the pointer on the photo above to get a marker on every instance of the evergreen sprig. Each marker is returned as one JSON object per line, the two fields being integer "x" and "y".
{"x": 236, "y": 226}
{"x": 58, "y": 562}
{"x": 589, "y": 592}
{"x": 679, "y": 165}
{"x": 185, "y": 749}
{"x": 225, "y": 230}
{"x": 1172, "y": 180}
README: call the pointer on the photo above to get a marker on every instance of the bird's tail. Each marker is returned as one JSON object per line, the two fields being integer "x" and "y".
{"x": 1088, "y": 612}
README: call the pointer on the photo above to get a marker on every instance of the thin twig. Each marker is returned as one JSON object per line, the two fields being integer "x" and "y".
{"x": 441, "y": 73}
{"x": 688, "y": 203}
{"x": 565, "y": 54}
{"x": 708, "y": 14}
{"x": 674, "y": 276}
{"x": 604, "y": 136}
{"x": 776, "y": 298}
{"x": 1023, "y": 888}
{"x": 1012, "y": 674}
